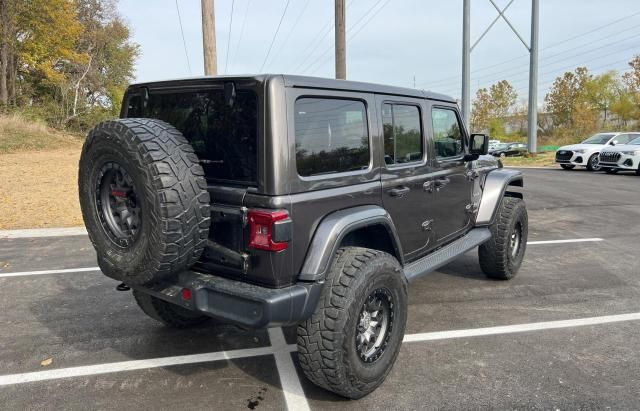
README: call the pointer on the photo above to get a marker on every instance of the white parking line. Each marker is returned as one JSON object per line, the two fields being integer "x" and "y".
{"x": 287, "y": 371}
{"x": 44, "y": 272}
{"x": 131, "y": 365}
{"x": 43, "y": 232}
{"x": 517, "y": 328}
{"x": 84, "y": 269}
{"x": 575, "y": 240}
{"x": 291, "y": 388}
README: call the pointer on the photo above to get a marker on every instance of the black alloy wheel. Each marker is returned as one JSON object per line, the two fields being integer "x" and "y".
{"x": 118, "y": 206}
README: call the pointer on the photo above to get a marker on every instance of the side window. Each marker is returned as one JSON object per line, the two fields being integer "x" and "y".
{"x": 623, "y": 138}
{"x": 402, "y": 133}
{"x": 447, "y": 133}
{"x": 331, "y": 136}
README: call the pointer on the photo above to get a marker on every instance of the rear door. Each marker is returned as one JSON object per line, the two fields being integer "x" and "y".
{"x": 407, "y": 176}
{"x": 452, "y": 182}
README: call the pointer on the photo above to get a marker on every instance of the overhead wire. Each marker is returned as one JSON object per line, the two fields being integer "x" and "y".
{"x": 226, "y": 59}
{"x": 184, "y": 42}
{"x": 242, "y": 26}
{"x": 284, "y": 12}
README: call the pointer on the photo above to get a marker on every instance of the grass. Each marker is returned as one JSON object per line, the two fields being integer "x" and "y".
{"x": 18, "y": 134}
{"x": 540, "y": 160}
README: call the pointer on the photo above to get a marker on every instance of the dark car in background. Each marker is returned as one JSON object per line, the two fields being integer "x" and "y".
{"x": 508, "y": 150}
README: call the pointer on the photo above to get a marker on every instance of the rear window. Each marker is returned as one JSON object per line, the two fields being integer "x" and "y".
{"x": 224, "y": 137}
{"x": 331, "y": 136}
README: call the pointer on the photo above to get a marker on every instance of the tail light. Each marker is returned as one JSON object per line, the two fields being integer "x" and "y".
{"x": 269, "y": 230}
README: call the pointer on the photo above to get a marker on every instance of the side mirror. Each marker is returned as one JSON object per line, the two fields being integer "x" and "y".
{"x": 613, "y": 143}
{"x": 478, "y": 144}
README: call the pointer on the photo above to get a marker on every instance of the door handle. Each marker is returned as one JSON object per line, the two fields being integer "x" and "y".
{"x": 399, "y": 191}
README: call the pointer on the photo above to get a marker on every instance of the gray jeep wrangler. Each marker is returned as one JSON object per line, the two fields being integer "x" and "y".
{"x": 278, "y": 200}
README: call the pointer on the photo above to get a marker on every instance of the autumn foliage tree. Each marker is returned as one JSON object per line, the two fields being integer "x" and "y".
{"x": 67, "y": 61}
{"x": 491, "y": 107}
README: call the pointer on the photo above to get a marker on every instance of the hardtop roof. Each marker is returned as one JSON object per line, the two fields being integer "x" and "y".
{"x": 309, "y": 82}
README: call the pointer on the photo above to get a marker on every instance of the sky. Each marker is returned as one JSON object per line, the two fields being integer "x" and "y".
{"x": 396, "y": 42}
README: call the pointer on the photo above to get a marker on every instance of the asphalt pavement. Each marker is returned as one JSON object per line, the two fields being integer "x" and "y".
{"x": 562, "y": 335}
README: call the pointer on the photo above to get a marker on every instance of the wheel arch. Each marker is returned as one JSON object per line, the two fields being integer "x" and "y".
{"x": 497, "y": 185}
{"x": 367, "y": 226}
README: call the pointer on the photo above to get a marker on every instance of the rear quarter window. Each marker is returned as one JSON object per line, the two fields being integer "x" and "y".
{"x": 331, "y": 136}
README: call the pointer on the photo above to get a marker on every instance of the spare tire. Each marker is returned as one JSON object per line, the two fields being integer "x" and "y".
{"x": 144, "y": 199}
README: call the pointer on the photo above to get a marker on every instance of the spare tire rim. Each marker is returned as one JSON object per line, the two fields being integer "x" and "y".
{"x": 118, "y": 205}
{"x": 374, "y": 326}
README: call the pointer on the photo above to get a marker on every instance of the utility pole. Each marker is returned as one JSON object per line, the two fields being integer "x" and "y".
{"x": 532, "y": 122}
{"x": 209, "y": 38}
{"x": 466, "y": 62}
{"x": 341, "y": 48}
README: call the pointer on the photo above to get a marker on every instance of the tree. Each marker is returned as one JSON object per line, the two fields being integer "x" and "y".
{"x": 492, "y": 106}
{"x": 566, "y": 91}
{"x": 602, "y": 91}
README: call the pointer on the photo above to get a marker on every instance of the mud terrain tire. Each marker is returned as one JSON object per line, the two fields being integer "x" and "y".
{"x": 144, "y": 199}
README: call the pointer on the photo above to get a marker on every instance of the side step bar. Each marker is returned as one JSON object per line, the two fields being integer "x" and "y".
{"x": 446, "y": 254}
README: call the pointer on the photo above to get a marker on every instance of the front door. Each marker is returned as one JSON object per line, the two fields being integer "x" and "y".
{"x": 452, "y": 182}
{"x": 407, "y": 183}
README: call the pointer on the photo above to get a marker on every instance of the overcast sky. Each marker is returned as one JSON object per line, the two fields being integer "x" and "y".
{"x": 388, "y": 41}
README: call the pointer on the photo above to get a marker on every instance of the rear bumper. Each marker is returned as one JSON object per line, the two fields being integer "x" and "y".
{"x": 239, "y": 302}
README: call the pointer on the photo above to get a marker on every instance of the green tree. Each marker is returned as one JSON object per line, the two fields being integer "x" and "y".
{"x": 491, "y": 107}
{"x": 602, "y": 92}
{"x": 565, "y": 94}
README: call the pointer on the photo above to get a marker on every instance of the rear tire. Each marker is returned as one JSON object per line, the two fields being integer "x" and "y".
{"x": 567, "y": 166}
{"x": 593, "y": 164}
{"x": 352, "y": 340}
{"x": 169, "y": 314}
{"x": 501, "y": 256}
{"x": 144, "y": 199}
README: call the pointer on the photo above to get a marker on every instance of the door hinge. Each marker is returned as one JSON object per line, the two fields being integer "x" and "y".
{"x": 245, "y": 220}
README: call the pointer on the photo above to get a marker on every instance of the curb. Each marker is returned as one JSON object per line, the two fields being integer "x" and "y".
{"x": 43, "y": 232}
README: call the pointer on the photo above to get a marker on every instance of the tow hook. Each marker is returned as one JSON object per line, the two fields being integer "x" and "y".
{"x": 123, "y": 287}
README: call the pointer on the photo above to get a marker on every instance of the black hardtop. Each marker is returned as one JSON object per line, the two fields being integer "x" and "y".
{"x": 304, "y": 82}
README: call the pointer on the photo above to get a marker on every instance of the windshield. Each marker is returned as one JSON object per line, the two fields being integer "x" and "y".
{"x": 601, "y": 138}
{"x": 501, "y": 146}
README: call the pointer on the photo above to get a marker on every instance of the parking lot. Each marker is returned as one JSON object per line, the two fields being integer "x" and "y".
{"x": 563, "y": 334}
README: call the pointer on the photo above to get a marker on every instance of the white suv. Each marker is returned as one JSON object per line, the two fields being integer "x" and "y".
{"x": 586, "y": 153}
{"x": 622, "y": 157}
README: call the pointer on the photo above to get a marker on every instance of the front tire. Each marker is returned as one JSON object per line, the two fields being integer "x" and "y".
{"x": 168, "y": 314}
{"x": 593, "y": 164}
{"x": 567, "y": 166}
{"x": 353, "y": 338}
{"x": 501, "y": 256}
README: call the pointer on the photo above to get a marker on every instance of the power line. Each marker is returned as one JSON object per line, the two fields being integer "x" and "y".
{"x": 226, "y": 59}
{"x": 295, "y": 24}
{"x": 275, "y": 35}
{"x": 326, "y": 29}
{"x": 244, "y": 20}
{"x": 545, "y": 48}
{"x": 515, "y": 71}
{"x": 184, "y": 42}
{"x": 352, "y": 35}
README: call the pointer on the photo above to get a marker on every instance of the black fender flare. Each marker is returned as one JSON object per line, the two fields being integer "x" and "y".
{"x": 332, "y": 230}
{"x": 495, "y": 187}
